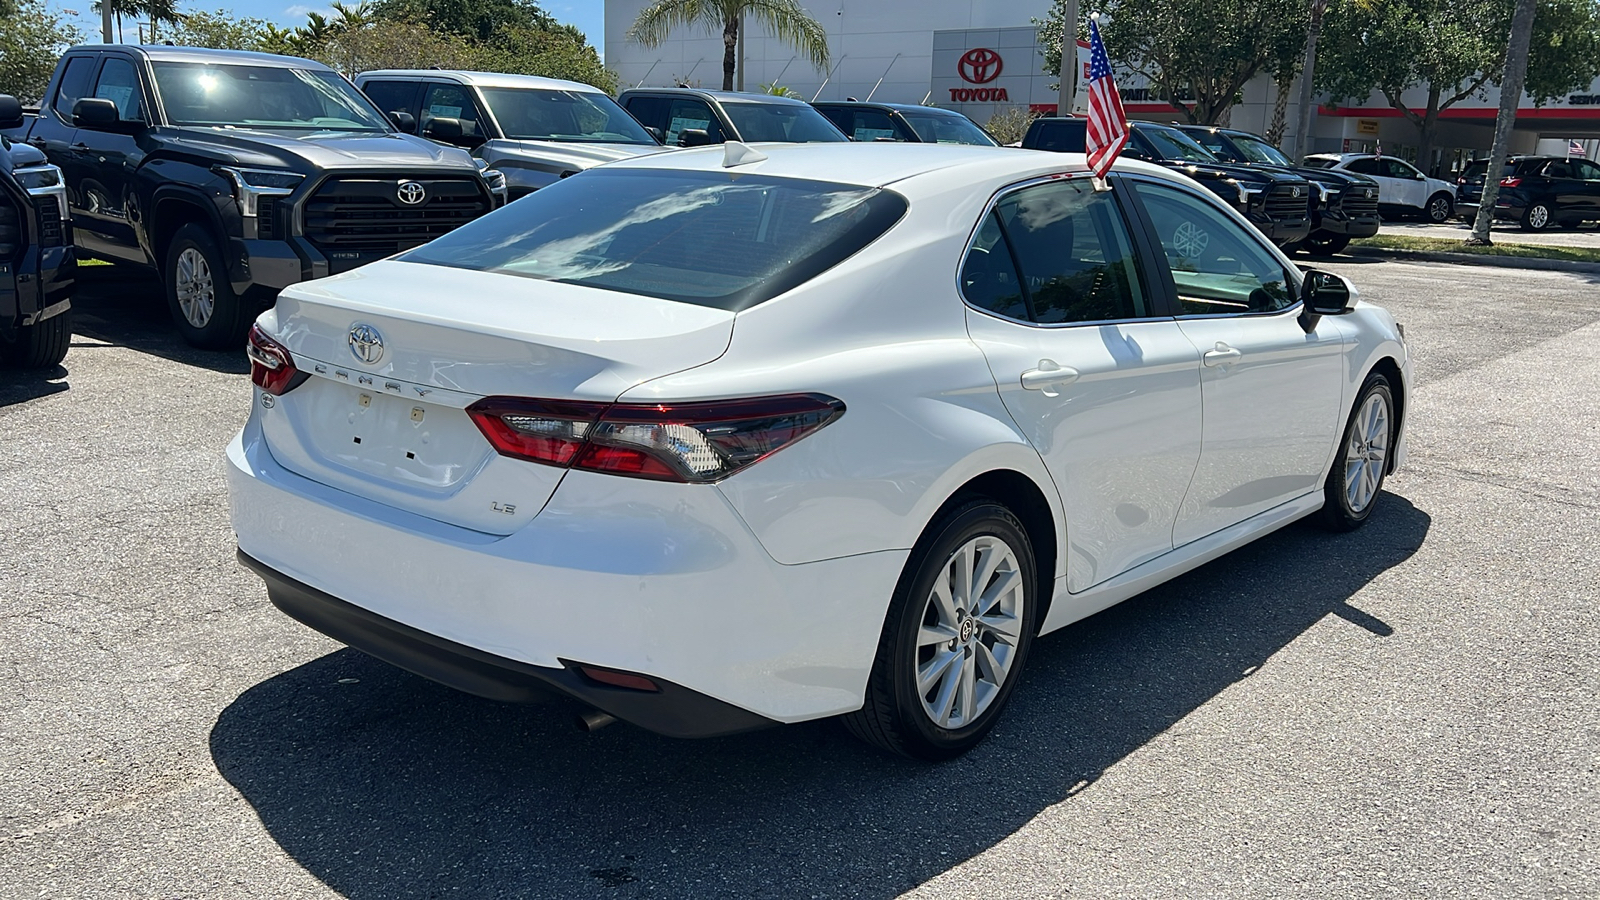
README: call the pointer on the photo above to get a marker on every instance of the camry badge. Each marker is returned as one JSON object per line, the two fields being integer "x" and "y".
{"x": 366, "y": 343}
{"x": 411, "y": 193}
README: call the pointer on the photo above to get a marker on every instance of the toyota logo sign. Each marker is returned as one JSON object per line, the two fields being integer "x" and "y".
{"x": 980, "y": 66}
{"x": 411, "y": 193}
{"x": 366, "y": 343}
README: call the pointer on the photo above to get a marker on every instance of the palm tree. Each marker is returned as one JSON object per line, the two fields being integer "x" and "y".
{"x": 120, "y": 8}
{"x": 158, "y": 11}
{"x": 785, "y": 19}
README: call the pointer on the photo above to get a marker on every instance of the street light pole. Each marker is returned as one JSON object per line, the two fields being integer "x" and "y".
{"x": 1069, "y": 58}
{"x": 105, "y": 21}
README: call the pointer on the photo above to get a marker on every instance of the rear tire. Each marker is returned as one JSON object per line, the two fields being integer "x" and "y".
{"x": 1537, "y": 217}
{"x": 199, "y": 296}
{"x": 1326, "y": 245}
{"x": 1356, "y": 479}
{"x": 950, "y": 655}
{"x": 42, "y": 345}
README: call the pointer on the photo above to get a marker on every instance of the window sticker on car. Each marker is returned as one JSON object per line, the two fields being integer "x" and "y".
{"x": 681, "y": 124}
{"x": 119, "y": 94}
{"x": 872, "y": 134}
{"x": 445, "y": 112}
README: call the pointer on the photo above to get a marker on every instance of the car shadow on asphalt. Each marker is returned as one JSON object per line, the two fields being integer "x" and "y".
{"x": 127, "y": 308}
{"x": 22, "y": 385}
{"x": 382, "y": 784}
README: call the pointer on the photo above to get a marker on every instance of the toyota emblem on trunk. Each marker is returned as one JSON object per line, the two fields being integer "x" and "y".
{"x": 411, "y": 193}
{"x": 366, "y": 343}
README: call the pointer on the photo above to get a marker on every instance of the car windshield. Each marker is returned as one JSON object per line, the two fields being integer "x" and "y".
{"x": 1259, "y": 151}
{"x": 727, "y": 240}
{"x": 267, "y": 97}
{"x": 1174, "y": 144}
{"x": 1320, "y": 162}
{"x": 554, "y": 115}
{"x": 937, "y": 129}
{"x": 795, "y": 123}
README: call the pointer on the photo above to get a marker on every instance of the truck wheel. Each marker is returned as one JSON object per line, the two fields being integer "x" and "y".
{"x": 42, "y": 345}
{"x": 1326, "y": 244}
{"x": 201, "y": 299}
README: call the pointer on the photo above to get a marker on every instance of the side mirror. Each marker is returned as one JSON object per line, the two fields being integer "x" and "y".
{"x": 404, "y": 121}
{"x": 10, "y": 112}
{"x": 658, "y": 134}
{"x": 694, "y": 137}
{"x": 448, "y": 130}
{"x": 1327, "y": 294}
{"x": 100, "y": 114}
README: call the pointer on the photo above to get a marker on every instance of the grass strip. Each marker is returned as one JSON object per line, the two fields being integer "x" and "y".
{"x": 1442, "y": 245}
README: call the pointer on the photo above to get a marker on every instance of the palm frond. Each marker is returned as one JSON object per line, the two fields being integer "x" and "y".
{"x": 788, "y": 21}
{"x": 657, "y": 20}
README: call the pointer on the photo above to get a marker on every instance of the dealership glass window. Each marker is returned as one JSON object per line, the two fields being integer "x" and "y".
{"x": 1073, "y": 261}
{"x": 119, "y": 83}
{"x": 74, "y": 84}
{"x": 453, "y": 101}
{"x": 1216, "y": 266}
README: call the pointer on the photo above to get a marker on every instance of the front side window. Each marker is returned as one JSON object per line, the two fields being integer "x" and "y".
{"x": 391, "y": 96}
{"x": 1058, "y": 253}
{"x": 454, "y": 101}
{"x": 1398, "y": 169}
{"x": 727, "y": 240}
{"x": 937, "y": 129}
{"x": 119, "y": 83}
{"x": 266, "y": 97}
{"x": 1558, "y": 169}
{"x": 789, "y": 122}
{"x": 692, "y": 115}
{"x": 74, "y": 84}
{"x": 1217, "y": 266}
{"x": 553, "y": 115}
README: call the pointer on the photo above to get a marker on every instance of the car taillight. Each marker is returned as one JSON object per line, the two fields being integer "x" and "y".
{"x": 271, "y": 367}
{"x": 1511, "y": 182}
{"x": 688, "y": 442}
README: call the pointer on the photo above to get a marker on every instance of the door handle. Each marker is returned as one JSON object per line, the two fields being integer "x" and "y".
{"x": 36, "y": 142}
{"x": 1048, "y": 374}
{"x": 1223, "y": 355}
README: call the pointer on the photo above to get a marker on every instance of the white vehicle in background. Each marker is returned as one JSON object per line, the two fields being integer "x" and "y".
{"x": 535, "y": 130}
{"x": 1402, "y": 189}
{"x": 729, "y": 437}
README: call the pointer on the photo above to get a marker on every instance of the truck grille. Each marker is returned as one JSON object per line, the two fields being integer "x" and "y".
{"x": 51, "y": 233}
{"x": 355, "y": 220}
{"x": 11, "y": 236}
{"x": 1283, "y": 206}
{"x": 1356, "y": 204}
{"x": 266, "y": 217}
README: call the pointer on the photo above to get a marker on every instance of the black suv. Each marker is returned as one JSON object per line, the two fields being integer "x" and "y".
{"x": 690, "y": 117}
{"x": 903, "y": 122}
{"x": 1346, "y": 204}
{"x": 234, "y": 175}
{"x": 1535, "y": 191}
{"x": 37, "y": 263}
{"x": 1277, "y": 203}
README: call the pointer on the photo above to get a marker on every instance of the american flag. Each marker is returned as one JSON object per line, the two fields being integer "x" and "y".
{"x": 1108, "y": 125}
{"x": 1574, "y": 149}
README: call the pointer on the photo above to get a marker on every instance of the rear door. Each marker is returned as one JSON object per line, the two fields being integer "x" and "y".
{"x": 1090, "y": 367}
{"x": 1589, "y": 174}
{"x": 1272, "y": 393}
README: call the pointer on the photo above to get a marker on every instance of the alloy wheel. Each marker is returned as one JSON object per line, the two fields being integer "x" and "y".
{"x": 1439, "y": 210}
{"x": 971, "y": 630}
{"x": 1539, "y": 216}
{"x": 1368, "y": 453}
{"x": 197, "y": 295}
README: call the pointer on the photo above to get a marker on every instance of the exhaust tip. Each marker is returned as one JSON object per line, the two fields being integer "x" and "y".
{"x": 594, "y": 720}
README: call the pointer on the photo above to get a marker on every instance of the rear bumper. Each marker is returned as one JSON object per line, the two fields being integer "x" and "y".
{"x": 674, "y": 710}
{"x": 644, "y": 577}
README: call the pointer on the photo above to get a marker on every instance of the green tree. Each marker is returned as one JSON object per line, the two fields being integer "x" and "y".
{"x": 553, "y": 53}
{"x": 221, "y": 30}
{"x": 787, "y": 20}
{"x": 31, "y": 41}
{"x": 1196, "y": 54}
{"x": 479, "y": 20}
{"x": 1450, "y": 50}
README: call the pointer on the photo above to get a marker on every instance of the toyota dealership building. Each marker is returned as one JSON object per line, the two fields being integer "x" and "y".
{"x": 980, "y": 57}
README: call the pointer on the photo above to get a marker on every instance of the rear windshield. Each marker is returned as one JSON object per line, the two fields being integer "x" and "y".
{"x": 720, "y": 239}
{"x": 796, "y": 123}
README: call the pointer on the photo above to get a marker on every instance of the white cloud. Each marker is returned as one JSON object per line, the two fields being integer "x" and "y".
{"x": 300, "y": 11}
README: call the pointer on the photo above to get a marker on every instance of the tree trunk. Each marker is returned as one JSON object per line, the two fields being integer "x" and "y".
{"x": 1302, "y": 130}
{"x": 1510, "y": 94}
{"x": 730, "y": 51}
{"x": 1280, "y": 106}
{"x": 1428, "y": 131}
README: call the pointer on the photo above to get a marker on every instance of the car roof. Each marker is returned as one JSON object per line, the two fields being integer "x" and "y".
{"x": 486, "y": 79}
{"x": 899, "y": 107}
{"x": 165, "y": 53}
{"x": 879, "y": 165}
{"x": 720, "y": 96}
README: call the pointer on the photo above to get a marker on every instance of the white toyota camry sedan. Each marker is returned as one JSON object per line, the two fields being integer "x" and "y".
{"x": 730, "y": 437}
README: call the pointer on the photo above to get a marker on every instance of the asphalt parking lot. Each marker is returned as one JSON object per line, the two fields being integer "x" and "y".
{"x": 1410, "y": 710}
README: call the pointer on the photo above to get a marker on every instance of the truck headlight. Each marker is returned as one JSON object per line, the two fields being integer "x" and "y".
{"x": 38, "y": 178}
{"x": 250, "y": 185}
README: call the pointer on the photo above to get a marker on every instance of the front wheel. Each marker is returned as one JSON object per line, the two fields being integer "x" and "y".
{"x": 199, "y": 296}
{"x": 955, "y": 638}
{"x": 1439, "y": 208}
{"x": 1326, "y": 244}
{"x": 1356, "y": 479}
{"x": 42, "y": 345}
{"x": 1536, "y": 217}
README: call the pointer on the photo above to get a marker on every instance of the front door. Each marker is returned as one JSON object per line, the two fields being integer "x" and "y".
{"x": 1272, "y": 393}
{"x": 1104, "y": 385}
{"x": 107, "y": 225}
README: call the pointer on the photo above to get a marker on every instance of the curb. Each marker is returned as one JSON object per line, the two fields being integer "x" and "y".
{"x": 1476, "y": 259}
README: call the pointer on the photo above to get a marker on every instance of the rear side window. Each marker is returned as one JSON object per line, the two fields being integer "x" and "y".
{"x": 1055, "y": 253}
{"x": 74, "y": 84}
{"x": 1368, "y": 167}
{"x": 726, "y": 240}
{"x": 1586, "y": 170}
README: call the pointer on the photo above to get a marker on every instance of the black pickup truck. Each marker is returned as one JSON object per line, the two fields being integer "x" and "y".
{"x": 1278, "y": 204}
{"x": 37, "y": 264}
{"x": 234, "y": 175}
